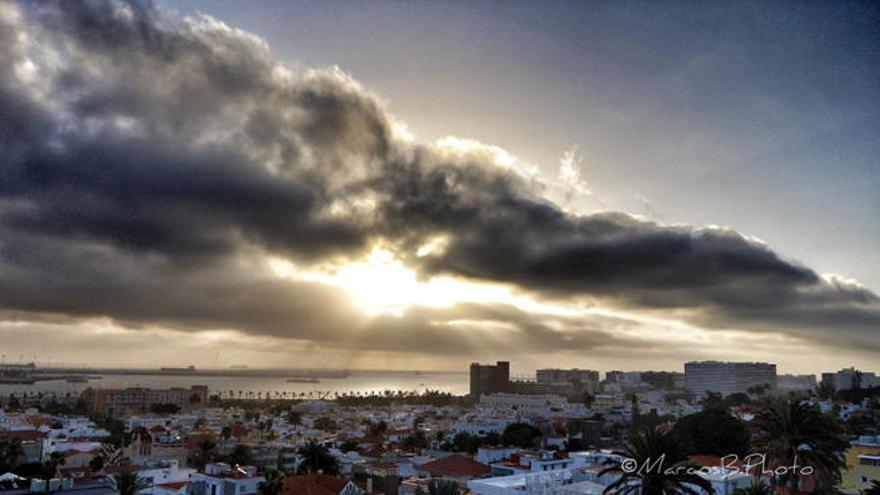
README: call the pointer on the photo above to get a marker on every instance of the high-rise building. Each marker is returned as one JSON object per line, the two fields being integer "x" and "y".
{"x": 490, "y": 378}
{"x": 661, "y": 380}
{"x": 796, "y": 383}
{"x": 576, "y": 376}
{"x": 728, "y": 378}
{"x": 849, "y": 379}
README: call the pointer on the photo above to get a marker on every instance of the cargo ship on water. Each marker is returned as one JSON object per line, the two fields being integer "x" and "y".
{"x": 18, "y": 374}
{"x": 188, "y": 369}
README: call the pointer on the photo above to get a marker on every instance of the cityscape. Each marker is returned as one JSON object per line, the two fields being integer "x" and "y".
{"x": 483, "y": 247}
{"x": 559, "y": 431}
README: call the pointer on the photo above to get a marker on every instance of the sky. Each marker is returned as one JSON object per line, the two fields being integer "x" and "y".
{"x": 608, "y": 185}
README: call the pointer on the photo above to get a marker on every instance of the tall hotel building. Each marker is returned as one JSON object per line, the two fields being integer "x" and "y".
{"x": 728, "y": 378}
{"x": 489, "y": 378}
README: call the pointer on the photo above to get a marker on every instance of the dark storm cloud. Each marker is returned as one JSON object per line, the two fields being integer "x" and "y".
{"x": 144, "y": 157}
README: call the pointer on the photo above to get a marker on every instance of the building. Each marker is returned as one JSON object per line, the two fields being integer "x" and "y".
{"x": 728, "y": 378}
{"x": 661, "y": 380}
{"x": 489, "y": 379}
{"x": 862, "y": 465}
{"x": 118, "y": 402}
{"x": 455, "y": 467}
{"x": 589, "y": 430}
{"x": 532, "y": 462}
{"x": 222, "y": 479}
{"x": 796, "y": 383}
{"x": 849, "y": 379}
{"x": 533, "y": 405}
{"x": 528, "y": 387}
{"x": 574, "y": 375}
{"x": 319, "y": 484}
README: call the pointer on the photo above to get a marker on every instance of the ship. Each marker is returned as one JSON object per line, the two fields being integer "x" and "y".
{"x": 18, "y": 374}
{"x": 188, "y": 369}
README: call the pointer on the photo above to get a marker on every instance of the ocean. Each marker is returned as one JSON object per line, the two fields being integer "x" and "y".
{"x": 362, "y": 382}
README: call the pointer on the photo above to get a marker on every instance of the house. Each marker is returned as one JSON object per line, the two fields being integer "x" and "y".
{"x": 862, "y": 464}
{"x": 222, "y": 479}
{"x": 32, "y": 442}
{"x": 455, "y": 467}
{"x": 78, "y": 459}
{"x": 319, "y": 484}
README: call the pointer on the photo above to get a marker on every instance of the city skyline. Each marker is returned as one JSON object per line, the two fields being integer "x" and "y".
{"x": 197, "y": 184}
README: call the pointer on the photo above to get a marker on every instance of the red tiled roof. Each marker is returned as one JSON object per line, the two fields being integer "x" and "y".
{"x": 314, "y": 484}
{"x": 23, "y": 435}
{"x": 455, "y": 466}
{"x": 174, "y": 485}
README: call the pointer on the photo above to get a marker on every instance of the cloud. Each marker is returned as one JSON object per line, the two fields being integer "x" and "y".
{"x": 148, "y": 161}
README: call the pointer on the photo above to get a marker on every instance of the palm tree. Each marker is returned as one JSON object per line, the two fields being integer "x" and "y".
{"x": 758, "y": 487}
{"x": 874, "y": 489}
{"x": 274, "y": 483}
{"x": 49, "y": 468}
{"x": 127, "y": 483}
{"x": 317, "y": 458}
{"x": 655, "y": 464}
{"x": 794, "y": 433}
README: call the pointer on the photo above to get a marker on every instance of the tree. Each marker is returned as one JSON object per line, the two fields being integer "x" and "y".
{"x": 874, "y": 489}
{"x": 377, "y": 428}
{"x": 127, "y": 483}
{"x": 348, "y": 446}
{"x": 109, "y": 455}
{"x": 325, "y": 424}
{"x": 790, "y": 432}
{"x": 294, "y": 418}
{"x": 273, "y": 484}
{"x": 655, "y": 464}
{"x": 464, "y": 442}
{"x": 711, "y": 400}
{"x": 49, "y": 468}
{"x": 164, "y": 408}
{"x": 10, "y": 454}
{"x": 714, "y": 431}
{"x": 521, "y": 435}
{"x": 317, "y": 458}
{"x": 416, "y": 441}
{"x": 204, "y": 455}
{"x": 439, "y": 487}
{"x": 240, "y": 455}
{"x": 226, "y": 433}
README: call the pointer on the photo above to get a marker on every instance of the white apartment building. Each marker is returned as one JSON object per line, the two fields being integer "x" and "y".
{"x": 850, "y": 378}
{"x": 728, "y": 378}
{"x": 222, "y": 479}
{"x": 796, "y": 383}
{"x": 533, "y": 405}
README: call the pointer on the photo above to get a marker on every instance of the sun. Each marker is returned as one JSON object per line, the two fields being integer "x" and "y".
{"x": 382, "y": 284}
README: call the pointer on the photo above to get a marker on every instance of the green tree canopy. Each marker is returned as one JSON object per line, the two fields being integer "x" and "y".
{"x": 639, "y": 474}
{"x": 521, "y": 435}
{"x": 714, "y": 431}
{"x": 317, "y": 458}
